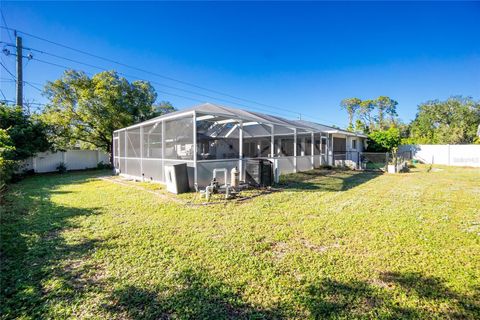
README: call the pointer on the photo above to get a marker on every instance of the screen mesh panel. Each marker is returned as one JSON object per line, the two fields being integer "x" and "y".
{"x": 179, "y": 138}
{"x": 205, "y": 171}
{"x": 133, "y": 143}
{"x": 133, "y": 167}
{"x": 217, "y": 140}
{"x": 285, "y": 165}
{"x": 121, "y": 142}
{"x": 152, "y": 140}
{"x": 284, "y": 146}
{"x": 153, "y": 169}
{"x": 304, "y": 163}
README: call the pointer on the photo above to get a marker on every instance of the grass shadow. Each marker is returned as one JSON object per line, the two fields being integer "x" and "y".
{"x": 195, "y": 296}
{"x": 326, "y": 180}
{"x": 435, "y": 289}
{"x": 359, "y": 299}
{"x": 34, "y": 255}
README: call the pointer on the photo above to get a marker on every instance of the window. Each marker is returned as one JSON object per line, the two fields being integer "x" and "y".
{"x": 354, "y": 144}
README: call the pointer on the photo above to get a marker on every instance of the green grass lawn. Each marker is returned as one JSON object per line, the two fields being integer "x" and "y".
{"x": 332, "y": 244}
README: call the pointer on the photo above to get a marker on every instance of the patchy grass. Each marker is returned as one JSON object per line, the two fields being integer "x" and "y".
{"x": 332, "y": 244}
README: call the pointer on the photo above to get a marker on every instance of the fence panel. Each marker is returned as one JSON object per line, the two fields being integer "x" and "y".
{"x": 375, "y": 161}
{"x": 452, "y": 155}
{"x": 73, "y": 159}
{"x": 47, "y": 161}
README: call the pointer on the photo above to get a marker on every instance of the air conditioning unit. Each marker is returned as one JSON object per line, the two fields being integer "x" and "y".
{"x": 259, "y": 172}
{"x": 176, "y": 178}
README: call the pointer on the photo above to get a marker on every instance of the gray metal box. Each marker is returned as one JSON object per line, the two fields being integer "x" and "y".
{"x": 176, "y": 178}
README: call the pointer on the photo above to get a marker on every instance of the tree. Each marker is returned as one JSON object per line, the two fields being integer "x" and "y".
{"x": 27, "y": 135}
{"x": 162, "y": 108}
{"x": 7, "y": 166}
{"x": 351, "y": 105}
{"x": 454, "y": 121}
{"x": 85, "y": 111}
{"x": 365, "y": 114}
{"x": 360, "y": 126}
{"x": 20, "y": 137}
{"x": 391, "y": 111}
{"x": 383, "y": 140}
{"x": 385, "y": 106}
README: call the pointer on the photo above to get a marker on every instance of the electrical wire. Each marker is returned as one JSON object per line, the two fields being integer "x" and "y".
{"x": 12, "y": 80}
{"x": 6, "y": 69}
{"x": 167, "y": 77}
{"x": 6, "y": 26}
{"x": 25, "y": 82}
{"x": 33, "y": 86}
{"x": 3, "y": 95}
{"x": 133, "y": 76}
{"x": 151, "y": 72}
{"x": 154, "y": 82}
{"x": 162, "y": 76}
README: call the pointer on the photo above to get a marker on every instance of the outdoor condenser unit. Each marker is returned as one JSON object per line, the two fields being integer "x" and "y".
{"x": 259, "y": 172}
{"x": 176, "y": 177}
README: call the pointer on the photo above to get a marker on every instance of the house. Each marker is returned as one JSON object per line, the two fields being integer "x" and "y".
{"x": 211, "y": 136}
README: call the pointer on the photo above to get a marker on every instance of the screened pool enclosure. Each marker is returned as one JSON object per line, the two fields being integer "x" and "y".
{"x": 209, "y": 137}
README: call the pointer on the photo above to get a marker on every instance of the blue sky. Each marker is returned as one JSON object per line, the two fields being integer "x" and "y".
{"x": 297, "y": 57}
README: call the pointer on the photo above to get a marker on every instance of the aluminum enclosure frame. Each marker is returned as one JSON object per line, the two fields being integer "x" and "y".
{"x": 210, "y": 136}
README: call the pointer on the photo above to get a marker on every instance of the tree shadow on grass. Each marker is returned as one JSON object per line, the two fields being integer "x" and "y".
{"x": 326, "y": 180}
{"x": 36, "y": 261}
{"x": 353, "y": 299}
{"x": 194, "y": 296}
{"x": 358, "y": 299}
{"x": 433, "y": 288}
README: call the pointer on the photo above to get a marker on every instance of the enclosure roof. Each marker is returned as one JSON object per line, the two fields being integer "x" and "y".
{"x": 244, "y": 115}
{"x": 328, "y": 129}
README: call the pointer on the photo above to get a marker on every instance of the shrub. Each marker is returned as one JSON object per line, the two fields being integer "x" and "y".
{"x": 7, "y": 166}
{"x": 62, "y": 167}
{"x": 326, "y": 167}
{"x": 102, "y": 165}
{"x": 20, "y": 137}
{"x": 7, "y": 169}
{"x": 383, "y": 140}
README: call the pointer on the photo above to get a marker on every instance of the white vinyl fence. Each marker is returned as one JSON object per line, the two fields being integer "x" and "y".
{"x": 466, "y": 155}
{"x": 73, "y": 160}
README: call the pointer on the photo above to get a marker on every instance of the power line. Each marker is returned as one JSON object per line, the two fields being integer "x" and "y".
{"x": 3, "y": 95}
{"x": 154, "y": 82}
{"x": 161, "y": 76}
{"x": 12, "y": 80}
{"x": 6, "y": 26}
{"x": 15, "y": 78}
{"x": 151, "y": 72}
{"x": 6, "y": 69}
{"x": 130, "y": 76}
{"x": 165, "y": 77}
{"x": 33, "y": 86}
{"x": 67, "y": 67}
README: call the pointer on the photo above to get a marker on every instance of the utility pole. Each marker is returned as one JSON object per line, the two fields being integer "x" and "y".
{"x": 19, "y": 70}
